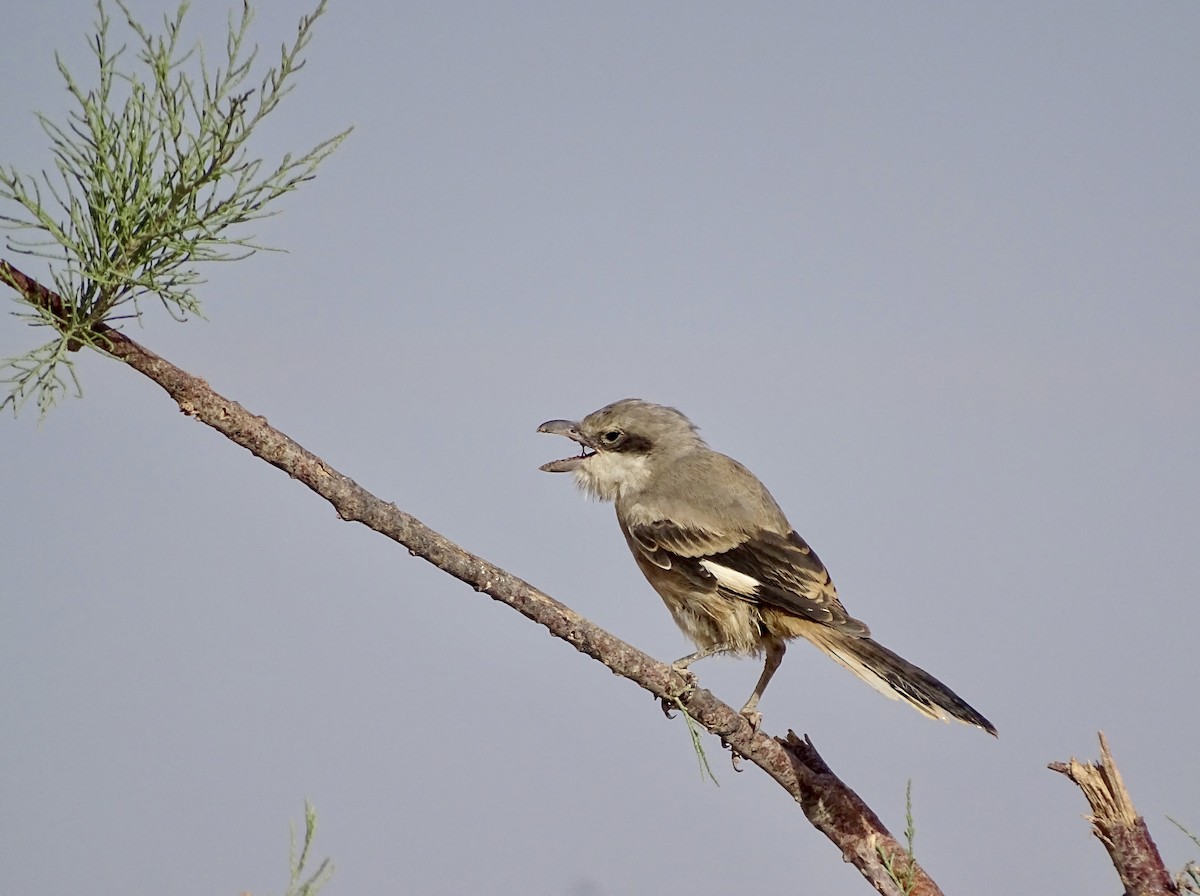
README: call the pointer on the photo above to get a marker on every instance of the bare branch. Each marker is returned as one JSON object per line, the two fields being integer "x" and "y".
{"x": 832, "y": 807}
{"x": 1118, "y": 826}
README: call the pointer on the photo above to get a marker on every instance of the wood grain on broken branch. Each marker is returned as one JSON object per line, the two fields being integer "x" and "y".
{"x": 831, "y": 806}
{"x": 1118, "y": 826}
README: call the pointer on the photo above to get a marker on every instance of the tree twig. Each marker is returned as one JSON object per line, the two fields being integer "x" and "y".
{"x": 832, "y": 807}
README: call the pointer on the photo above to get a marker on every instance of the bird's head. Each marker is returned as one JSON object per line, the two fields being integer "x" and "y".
{"x": 620, "y": 443}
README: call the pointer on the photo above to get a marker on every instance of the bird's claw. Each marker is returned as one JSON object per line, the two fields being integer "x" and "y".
{"x": 754, "y": 717}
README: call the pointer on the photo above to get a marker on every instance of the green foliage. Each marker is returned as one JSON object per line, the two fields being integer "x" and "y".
{"x": 152, "y": 173}
{"x": 302, "y": 883}
{"x": 906, "y": 880}
{"x": 1188, "y": 880}
{"x": 697, "y": 745}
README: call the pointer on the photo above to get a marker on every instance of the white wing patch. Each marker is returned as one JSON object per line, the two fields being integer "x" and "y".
{"x": 732, "y": 580}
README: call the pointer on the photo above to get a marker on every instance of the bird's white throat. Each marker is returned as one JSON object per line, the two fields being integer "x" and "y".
{"x": 607, "y": 476}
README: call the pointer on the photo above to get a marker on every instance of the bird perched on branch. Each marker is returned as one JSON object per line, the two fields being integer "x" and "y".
{"x": 713, "y": 543}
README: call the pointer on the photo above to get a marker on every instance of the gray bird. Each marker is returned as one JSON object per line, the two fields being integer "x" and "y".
{"x": 732, "y": 571}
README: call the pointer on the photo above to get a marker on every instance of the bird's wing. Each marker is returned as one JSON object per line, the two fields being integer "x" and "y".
{"x": 780, "y": 571}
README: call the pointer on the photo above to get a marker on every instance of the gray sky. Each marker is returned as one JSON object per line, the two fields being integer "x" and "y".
{"x": 930, "y": 271}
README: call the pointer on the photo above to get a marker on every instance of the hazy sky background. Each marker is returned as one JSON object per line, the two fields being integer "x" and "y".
{"x": 929, "y": 270}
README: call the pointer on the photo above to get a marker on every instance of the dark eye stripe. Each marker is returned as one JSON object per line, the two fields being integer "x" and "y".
{"x": 634, "y": 443}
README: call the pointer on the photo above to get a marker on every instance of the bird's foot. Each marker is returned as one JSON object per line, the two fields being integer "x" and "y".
{"x": 670, "y": 704}
{"x": 689, "y": 677}
{"x": 754, "y": 717}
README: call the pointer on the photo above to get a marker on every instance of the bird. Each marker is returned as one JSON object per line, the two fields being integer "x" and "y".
{"x": 712, "y": 541}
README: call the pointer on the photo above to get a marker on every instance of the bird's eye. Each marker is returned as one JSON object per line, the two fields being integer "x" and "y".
{"x": 612, "y": 436}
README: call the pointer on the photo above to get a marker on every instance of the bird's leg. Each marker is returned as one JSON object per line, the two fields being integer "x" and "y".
{"x": 681, "y": 664}
{"x": 775, "y": 650}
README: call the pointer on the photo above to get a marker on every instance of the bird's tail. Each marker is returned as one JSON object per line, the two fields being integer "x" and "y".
{"x": 895, "y": 677}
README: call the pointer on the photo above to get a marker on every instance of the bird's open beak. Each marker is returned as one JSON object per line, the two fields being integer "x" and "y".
{"x": 571, "y": 430}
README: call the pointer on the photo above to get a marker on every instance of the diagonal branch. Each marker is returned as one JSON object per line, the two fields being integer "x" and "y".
{"x": 832, "y": 807}
{"x": 1118, "y": 826}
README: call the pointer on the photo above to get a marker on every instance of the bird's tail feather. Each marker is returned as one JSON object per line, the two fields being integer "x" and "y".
{"x": 895, "y": 677}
